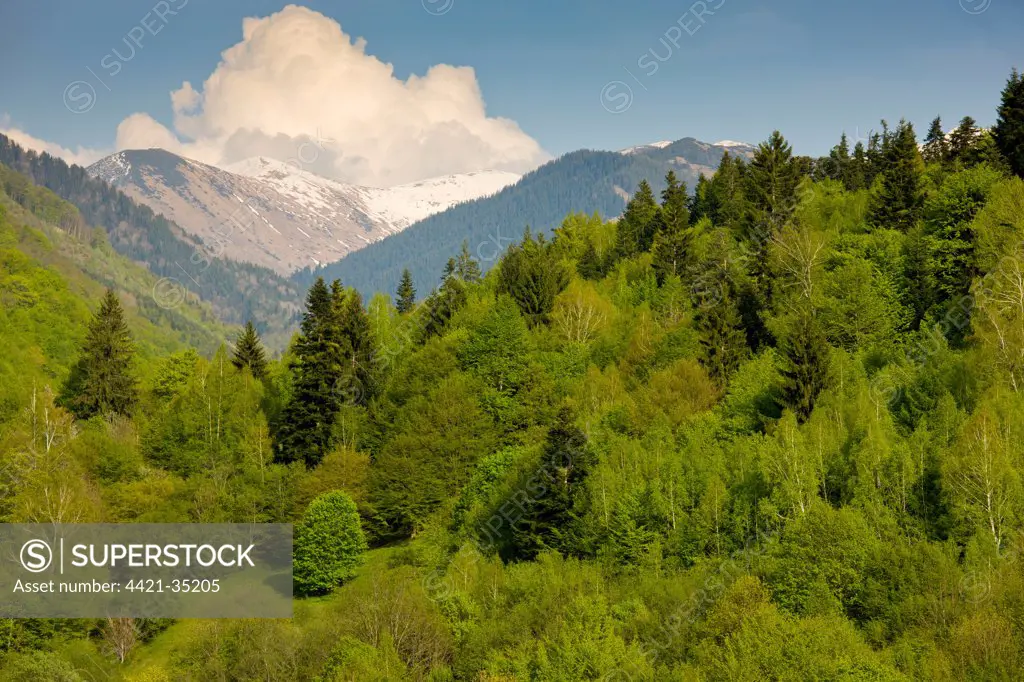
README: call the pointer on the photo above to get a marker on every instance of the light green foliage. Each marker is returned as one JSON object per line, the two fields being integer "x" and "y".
{"x": 769, "y": 432}
{"x": 329, "y": 544}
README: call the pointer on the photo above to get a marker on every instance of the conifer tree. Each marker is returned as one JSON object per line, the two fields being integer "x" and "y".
{"x": 103, "y": 381}
{"x": 963, "y": 140}
{"x": 839, "y": 160}
{"x": 875, "y": 158}
{"x": 551, "y": 520}
{"x": 936, "y": 146}
{"x": 357, "y": 380}
{"x": 1009, "y": 128}
{"x": 674, "y": 200}
{"x": 589, "y": 265}
{"x": 700, "y": 202}
{"x": 727, "y": 194}
{"x": 899, "y": 201}
{"x": 248, "y": 352}
{"x": 773, "y": 176}
{"x": 636, "y": 227}
{"x": 857, "y": 178}
{"x": 720, "y": 330}
{"x": 806, "y": 352}
{"x": 406, "y": 293}
{"x": 533, "y": 277}
{"x": 305, "y": 432}
{"x": 466, "y": 267}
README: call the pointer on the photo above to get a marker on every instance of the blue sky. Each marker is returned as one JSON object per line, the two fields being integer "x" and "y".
{"x": 811, "y": 69}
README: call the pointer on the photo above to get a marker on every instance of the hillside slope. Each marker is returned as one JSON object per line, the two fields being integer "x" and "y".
{"x": 52, "y": 272}
{"x": 236, "y": 291}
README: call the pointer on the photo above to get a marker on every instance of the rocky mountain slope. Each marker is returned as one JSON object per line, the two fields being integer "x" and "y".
{"x": 274, "y": 214}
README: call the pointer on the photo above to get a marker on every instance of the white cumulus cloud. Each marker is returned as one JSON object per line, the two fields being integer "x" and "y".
{"x": 82, "y": 156}
{"x": 298, "y": 88}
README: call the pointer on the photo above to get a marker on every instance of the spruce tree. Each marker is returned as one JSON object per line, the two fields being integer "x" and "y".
{"x": 103, "y": 381}
{"x": 963, "y": 140}
{"x": 533, "y": 277}
{"x": 727, "y": 204}
{"x": 674, "y": 200}
{"x": 248, "y": 352}
{"x": 589, "y": 265}
{"x": 636, "y": 228}
{"x": 857, "y": 178}
{"x": 839, "y": 161}
{"x": 700, "y": 202}
{"x": 466, "y": 267}
{"x": 551, "y": 521}
{"x": 406, "y": 293}
{"x": 305, "y": 432}
{"x": 899, "y": 201}
{"x": 936, "y": 146}
{"x": 720, "y": 329}
{"x": 875, "y": 159}
{"x": 1009, "y": 128}
{"x": 806, "y": 353}
{"x": 773, "y": 176}
{"x": 357, "y": 379}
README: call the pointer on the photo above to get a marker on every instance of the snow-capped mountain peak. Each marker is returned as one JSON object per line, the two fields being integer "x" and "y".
{"x": 639, "y": 148}
{"x": 277, "y": 214}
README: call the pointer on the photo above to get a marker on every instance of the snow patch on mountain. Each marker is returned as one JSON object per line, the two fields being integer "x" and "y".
{"x": 639, "y": 148}
{"x": 289, "y": 217}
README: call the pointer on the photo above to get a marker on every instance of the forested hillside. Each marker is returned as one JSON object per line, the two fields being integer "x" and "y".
{"x": 769, "y": 430}
{"x": 237, "y": 291}
{"x": 583, "y": 181}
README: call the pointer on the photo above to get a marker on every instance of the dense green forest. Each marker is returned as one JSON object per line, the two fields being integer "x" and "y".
{"x": 236, "y": 291}
{"x": 766, "y": 429}
{"x": 583, "y": 181}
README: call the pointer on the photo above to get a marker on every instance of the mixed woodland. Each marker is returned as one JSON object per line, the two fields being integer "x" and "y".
{"x": 765, "y": 427}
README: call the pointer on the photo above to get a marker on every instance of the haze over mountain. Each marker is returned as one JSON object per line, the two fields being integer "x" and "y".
{"x": 277, "y": 215}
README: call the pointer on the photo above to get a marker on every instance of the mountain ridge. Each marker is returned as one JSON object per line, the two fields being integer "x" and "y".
{"x": 587, "y": 181}
{"x": 276, "y": 214}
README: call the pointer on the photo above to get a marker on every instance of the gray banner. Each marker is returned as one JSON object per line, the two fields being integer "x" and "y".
{"x": 146, "y": 570}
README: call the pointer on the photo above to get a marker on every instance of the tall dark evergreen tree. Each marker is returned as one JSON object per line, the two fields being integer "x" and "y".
{"x": 700, "y": 202}
{"x": 636, "y": 226}
{"x": 963, "y": 140}
{"x": 858, "y": 177}
{"x": 356, "y": 383}
{"x": 1009, "y": 128}
{"x": 103, "y": 381}
{"x": 589, "y": 265}
{"x": 727, "y": 195}
{"x": 306, "y": 427}
{"x": 674, "y": 204}
{"x": 773, "y": 176}
{"x": 439, "y": 308}
{"x": 533, "y": 277}
{"x": 875, "y": 157}
{"x": 899, "y": 201}
{"x": 839, "y": 161}
{"x": 553, "y": 519}
{"x": 406, "y": 293}
{"x": 671, "y": 230}
{"x": 720, "y": 330}
{"x": 248, "y": 352}
{"x": 806, "y": 353}
{"x": 936, "y": 146}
